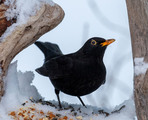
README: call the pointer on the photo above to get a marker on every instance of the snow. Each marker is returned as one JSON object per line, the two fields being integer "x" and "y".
{"x": 19, "y": 90}
{"x": 22, "y": 10}
{"x": 140, "y": 66}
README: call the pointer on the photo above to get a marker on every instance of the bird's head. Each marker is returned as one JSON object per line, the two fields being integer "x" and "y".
{"x": 96, "y": 46}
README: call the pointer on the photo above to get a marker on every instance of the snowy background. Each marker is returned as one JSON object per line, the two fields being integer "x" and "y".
{"x": 84, "y": 19}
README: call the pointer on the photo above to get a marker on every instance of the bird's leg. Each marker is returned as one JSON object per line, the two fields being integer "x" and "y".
{"x": 57, "y": 93}
{"x": 81, "y": 101}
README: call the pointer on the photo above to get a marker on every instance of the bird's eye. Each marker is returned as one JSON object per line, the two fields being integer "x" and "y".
{"x": 93, "y": 42}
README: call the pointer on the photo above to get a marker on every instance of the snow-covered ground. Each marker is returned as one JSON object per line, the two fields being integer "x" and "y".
{"x": 16, "y": 103}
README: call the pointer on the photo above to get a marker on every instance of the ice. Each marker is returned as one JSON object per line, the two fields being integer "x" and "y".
{"x": 140, "y": 66}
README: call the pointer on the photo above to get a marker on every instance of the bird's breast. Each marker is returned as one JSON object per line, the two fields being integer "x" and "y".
{"x": 89, "y": 70}
{"x": 86, "y": 77}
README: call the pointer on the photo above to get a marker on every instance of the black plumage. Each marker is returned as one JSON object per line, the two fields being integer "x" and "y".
{"x": 78, "y": 73}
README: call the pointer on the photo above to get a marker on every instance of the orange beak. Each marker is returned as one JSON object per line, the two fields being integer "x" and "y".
{"x": 107, "y": 42}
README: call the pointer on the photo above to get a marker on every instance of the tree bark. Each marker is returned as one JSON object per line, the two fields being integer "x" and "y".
{"x": 138, "y": 20}
{"x": 47, "y": 18}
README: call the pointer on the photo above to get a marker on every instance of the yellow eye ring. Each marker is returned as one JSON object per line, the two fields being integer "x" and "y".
{"x": 93, "y": 42}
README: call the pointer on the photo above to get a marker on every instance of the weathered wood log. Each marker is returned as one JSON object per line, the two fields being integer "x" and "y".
{"x": 24, "y": 35}
{"x": 138, "y": 19}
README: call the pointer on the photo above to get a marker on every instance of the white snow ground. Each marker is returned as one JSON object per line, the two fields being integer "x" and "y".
{"x": 19, "y": 90}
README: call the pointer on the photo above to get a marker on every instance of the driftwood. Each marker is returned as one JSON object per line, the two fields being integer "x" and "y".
{"x": 45, "y": 19}
{"x": 138, "y": 19}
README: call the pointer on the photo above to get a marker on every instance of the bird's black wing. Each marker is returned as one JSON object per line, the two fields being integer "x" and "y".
{"x": 50, "y": 50}
{"x": 56, "y": 68}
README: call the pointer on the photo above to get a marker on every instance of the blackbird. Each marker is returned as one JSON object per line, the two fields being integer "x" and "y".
{"x": 78, "y": 73}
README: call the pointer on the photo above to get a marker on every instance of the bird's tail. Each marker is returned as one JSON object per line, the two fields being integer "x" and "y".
{"x": 50, "y": 50}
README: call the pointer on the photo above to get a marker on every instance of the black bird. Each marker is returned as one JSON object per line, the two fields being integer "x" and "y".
{"x": 78, "y": 73}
